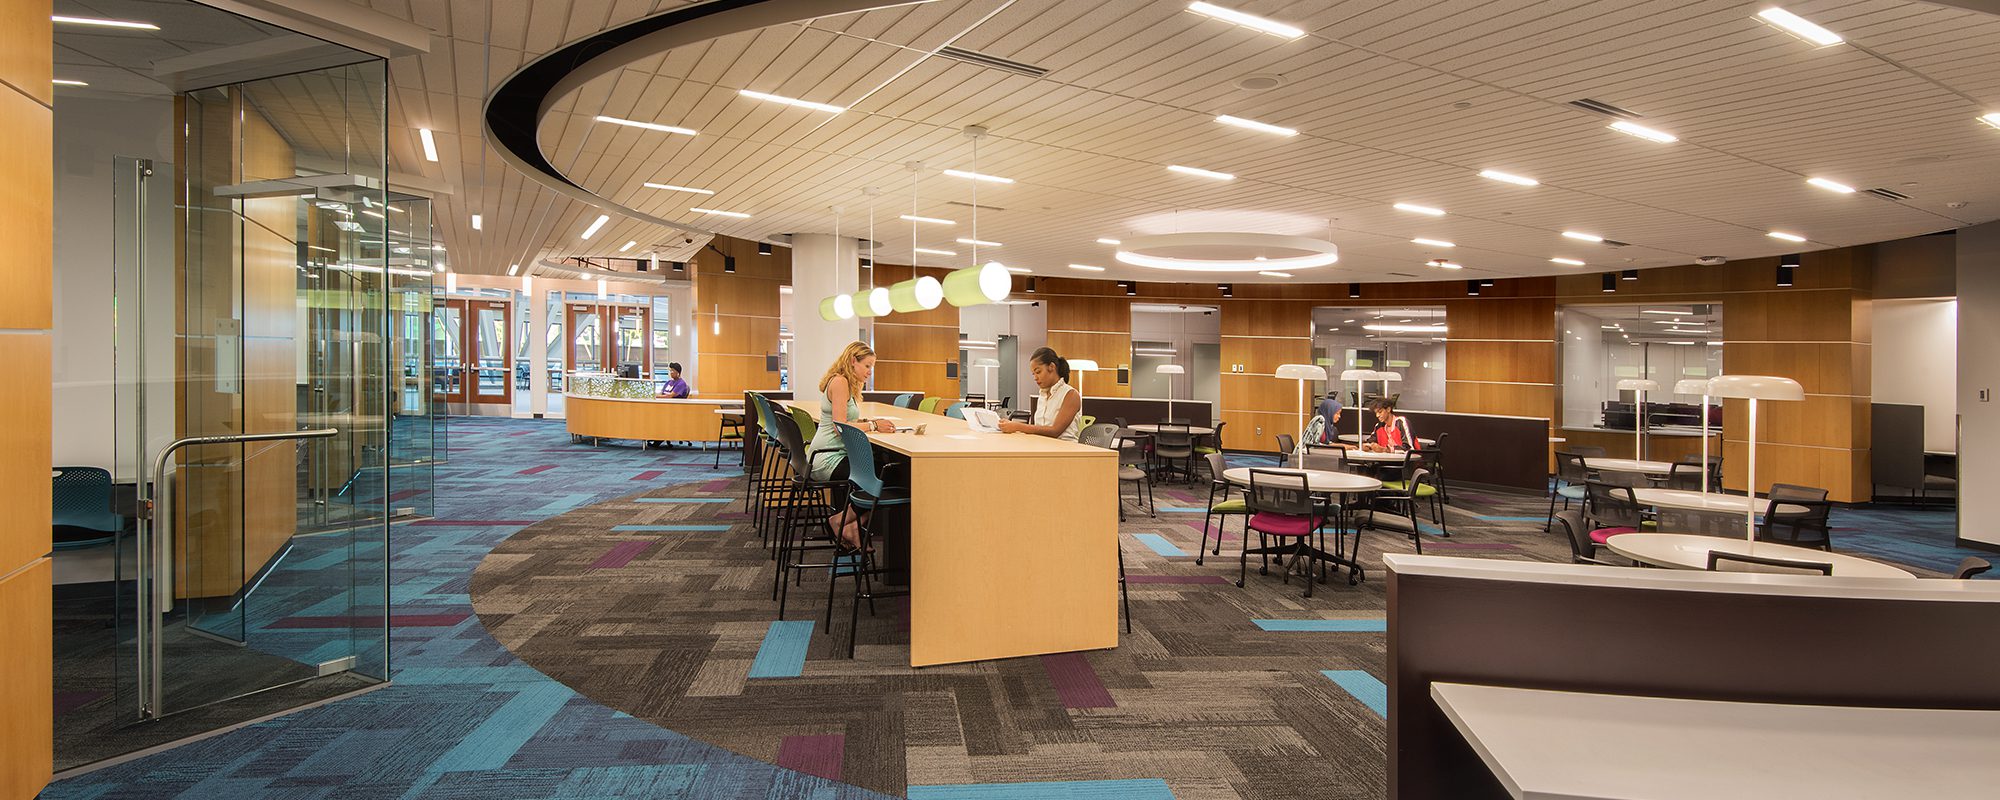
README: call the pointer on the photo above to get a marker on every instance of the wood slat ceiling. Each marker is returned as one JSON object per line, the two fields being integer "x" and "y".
{"x": 1396, "y": 100}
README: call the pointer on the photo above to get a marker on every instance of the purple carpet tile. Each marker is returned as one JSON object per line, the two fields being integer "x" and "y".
{"x": 620, "y": 554}
{"x": 648, "y": 475}
{"x": 1076, "y": 682}
{"x": 713, "y": 487}
{"x": 536, "y": 470}
{"x": 406, "y": 494}
{"x": 813, "y": 755}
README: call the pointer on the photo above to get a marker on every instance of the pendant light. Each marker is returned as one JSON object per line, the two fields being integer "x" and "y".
{"x": 978, "y": 284}
{"x": 919, "y": 293}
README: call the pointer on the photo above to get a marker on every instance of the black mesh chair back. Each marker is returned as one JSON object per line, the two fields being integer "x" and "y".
{"x": 1217, "y": 465}
{"x": 1103, "y": 434}
{"x": 1706, "y": 523}
{"x": 1570, "y": 468}
{"x": 1719, "y": 561}
{"x": 793, "y": 444}
{"x": 1181, "y": 421}
{"x": 1278, "y": 492}
{"x": 1617, "y": 477}
{"x": 1686, "y": 475}
{"x": 1581, "y": 549}
{"x": 1970, "y": 566}
{"x": 1173, "y": 441}
{"x": 1585, "y": 450}
{"x": 1285, "y": 444}
{"x": 1326, "y": 462}
{"x": 1799, "y": 515}
{"x": 1611, "y": 506}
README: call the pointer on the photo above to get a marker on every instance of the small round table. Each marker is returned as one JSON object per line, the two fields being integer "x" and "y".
{"x": 1690, "y": 551}
{"x": 1353, "y": 439}
{"x": 1698, "y": 501}
{"x": 1627, "y": 465}
{"x": 1318, "y": 481}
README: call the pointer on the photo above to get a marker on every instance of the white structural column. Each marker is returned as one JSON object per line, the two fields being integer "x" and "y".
{"x": 822, "y": 265}
{"x": 1978, "y": 380}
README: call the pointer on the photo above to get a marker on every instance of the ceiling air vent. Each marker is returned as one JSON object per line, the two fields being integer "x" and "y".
{"x": 969, "y": 205}
{"x": 992, "y": 62}
{"x": 1601, "y": 107}
{"x": 1402, "y": 274}
{"x": 1615, "y": 243}
{"x": 1886, "y": 194}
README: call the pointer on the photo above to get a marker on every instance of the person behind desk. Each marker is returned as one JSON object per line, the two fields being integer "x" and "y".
{"x": 1392, "y": 431}
{"x": 840, "y": 389}
{"x": 1329, "y": 412}
{"x": 675, "y": 387}
{"x": 1059, "y": 413}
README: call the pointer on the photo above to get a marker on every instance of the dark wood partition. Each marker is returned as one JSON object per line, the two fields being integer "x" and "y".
{"x": 1493, "y": 450}
{"x": 1892, "y": 643}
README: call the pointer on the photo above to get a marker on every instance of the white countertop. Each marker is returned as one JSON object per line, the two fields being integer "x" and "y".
{"x": 736, "y": 401}
{"x": 1551, "y": 745}
{"x": 1503, "y": 570}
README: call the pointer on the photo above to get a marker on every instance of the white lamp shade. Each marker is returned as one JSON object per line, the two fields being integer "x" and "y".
{"x": 1639, "y": 384}
{"x": 1388, "y": 376}
{"x": 987, "y": 362}
{"x": 843, "y": 306}
{"x": 1358, "y": 375}
{"x": 1306, "y": 372}
{"x": 1758, "y": 387}
{"x": 1169, "y": 369}
{"x": 1691, "y": 386}
{"x": 1082, "y": 365}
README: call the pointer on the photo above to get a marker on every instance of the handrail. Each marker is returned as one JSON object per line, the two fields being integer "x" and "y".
{"x": 149, "y": 642}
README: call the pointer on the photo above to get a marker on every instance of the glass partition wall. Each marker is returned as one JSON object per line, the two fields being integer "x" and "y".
{"x": 1665, "y": 343}
{"x": 1405, "y": 341}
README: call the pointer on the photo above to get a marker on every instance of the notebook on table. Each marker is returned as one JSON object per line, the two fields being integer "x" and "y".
{"x": 982, "y": 419}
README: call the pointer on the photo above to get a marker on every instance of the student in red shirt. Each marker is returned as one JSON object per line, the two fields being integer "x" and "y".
{"x": 1392, "y": 431}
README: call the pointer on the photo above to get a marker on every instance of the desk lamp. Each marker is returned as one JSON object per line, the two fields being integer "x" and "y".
{"x": 1639, "y": 387}
{"x": 1358, "y": 375}
{"x": 1170, "y": 370}
{"x": 1754, "y": 388}
{"x": 1302, "y": 373}
{"x": 1081, "y": 365}
{"x": 1699, "y": 386}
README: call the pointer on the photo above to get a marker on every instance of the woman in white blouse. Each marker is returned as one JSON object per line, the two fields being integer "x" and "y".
{"x": 1059, "y": 412}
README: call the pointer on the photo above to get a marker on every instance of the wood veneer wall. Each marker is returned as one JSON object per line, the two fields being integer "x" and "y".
{"x": 26, "y": 263}
{"x": 911, "y": 350}
{"x": 1090, "y": 320}
{"x": 746, "y": 301}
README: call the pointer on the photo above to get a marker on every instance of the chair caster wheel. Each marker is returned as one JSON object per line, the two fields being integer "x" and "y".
{"x": 1239, "y": 584}
{"x": 1263, "y": 571}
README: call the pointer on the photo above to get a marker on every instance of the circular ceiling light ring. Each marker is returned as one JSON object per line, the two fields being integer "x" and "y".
{"x": 1309, "y": 252}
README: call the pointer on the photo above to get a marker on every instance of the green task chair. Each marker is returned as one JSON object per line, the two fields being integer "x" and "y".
{"x": 929, "y": 405}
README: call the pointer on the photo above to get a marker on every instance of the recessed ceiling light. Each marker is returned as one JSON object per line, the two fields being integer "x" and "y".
{"x": 594, "y": 226}
{"x": 791, "y": 101}
{"x": 1205, "y": 173}
{"x": 1831, "y": 186}
{"x": 478, "y": 223}
{"x": 513, "y": 269}
{"x": 1789, "y": 237}
{"x": 1992, "y": 119}
{"x": 1086, "y": 268}
{"x": 959, "y": 173}
{"x": 1506, "y": 178}
{"x": 1435, "y": 212}
{"x": 629, "y": 245}
{"x": 736, "y": 214}
{"x": 1567, "y": 261}
{"x": 430, "y": 144}
{"x": 1798, "y": 26}
{"x": 1109, "y": 241}
{"x": 1278, "y": 275}
{"x": 1583, "y": 237}
{"x": 1667, "y": 312}
{"x": 668, "y": 187}
{"x": 1433, "y": 242}
{"x": 1246, "y": 20}
{"x": 378, "y": 215}
{"x": 1255, "y": 125}
{"x": 651, "y": 126}
{"x": 104, "y": 23}
{"x": 67, "y": 82}
{"x": 1407, "y": 328}
{"x": 936, "y": 252}
{"x": 931, "y": 220}
{"x": 980, "y": 242}
{"x": 1643, "y": 132}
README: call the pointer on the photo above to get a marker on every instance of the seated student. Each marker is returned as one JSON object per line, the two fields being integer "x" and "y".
{"x": 1392, "y": 431}
{"x": 840, "y": 391}
{"x": 1329, "y": 414}
{"x": 675, "y": 387}
{"x": 1059, "y": 413}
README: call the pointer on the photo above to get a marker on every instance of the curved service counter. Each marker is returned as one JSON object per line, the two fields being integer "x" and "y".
{"x": 602, "y": 407}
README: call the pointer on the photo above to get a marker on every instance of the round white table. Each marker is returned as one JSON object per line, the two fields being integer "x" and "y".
{"x": 1151, "y": 428}
{"x": 1317, "y": 480}
{"x": 1627, "y": 465}
{"x": 1697, "y": 501}
{"x": 1363, "y": 455}
{"x": 1353, "y": 439}
{"x": 1690, "y": 551}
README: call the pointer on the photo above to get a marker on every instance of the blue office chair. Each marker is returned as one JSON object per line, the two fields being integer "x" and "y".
{"x": 956, "y": 410}
{"x": 868, "y": 492}
{"x": 82, "y": 513}
{"x": 906, "y": 400}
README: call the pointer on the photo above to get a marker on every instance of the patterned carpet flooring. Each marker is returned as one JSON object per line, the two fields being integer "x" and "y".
{"x": 589, "y": 622}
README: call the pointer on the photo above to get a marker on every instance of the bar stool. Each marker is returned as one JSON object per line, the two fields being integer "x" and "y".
{"x": 867, "y": 493}
{"x": 730, "y": 430}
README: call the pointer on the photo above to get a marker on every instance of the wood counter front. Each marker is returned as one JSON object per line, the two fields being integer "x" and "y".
{"x": 644, "y": 419}
{"x": 1013, "y": 541}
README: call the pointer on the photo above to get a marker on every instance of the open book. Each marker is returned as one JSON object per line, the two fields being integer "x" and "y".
{"x": 982, "y": 419}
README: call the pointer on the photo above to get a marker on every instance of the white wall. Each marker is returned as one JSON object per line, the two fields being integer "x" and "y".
{"x": 89, "y": 132}
{"x": 1583, "y": 369}
{"x": 1028, "y": 323}
{"x": 1915, "y": 358}
{"x": 1978, "y": 379}
{"x": 1182, "y": 330}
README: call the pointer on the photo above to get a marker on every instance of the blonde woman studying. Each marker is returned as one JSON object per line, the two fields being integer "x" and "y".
{"x": 840, "y": 394}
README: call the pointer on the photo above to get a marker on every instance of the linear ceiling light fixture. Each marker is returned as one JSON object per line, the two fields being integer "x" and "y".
{"x": 430, "y": 144}
{"x": 1250, "y": 21}
{"x": 1113, "y": 242}
{"x": 791, "y": 101}
{"x": 1583, "y": 237}
{"x": 1254, "y": 125}
{"x": 1798, "y": 26}
{"x": 1203, "y": 173}
{"x": 931, "y": 220}
{"x": 478, "y": 223}
{"x": 1831, "y": 186}
{"x": 67, "y": 82}
{"x": 980, "y": 242}
{"x": 1494, "y": 174}
{"x": 1432, "y": 242}
{"x": 1408, "y": 328}
{"x": 595, "y": 226}
{"x": 629, "y": 245}
{"x": 668, "y": 187}
{"x": 935, "y": 252}
{"x": 1643, "y": 132}
{"x": 1568, "y": 262}
{"x": 1086, "y": 268}
{"x": 104, "y": 23}
{"x": 974, "y": 176}
{"x": 651, "y": 126}
{"x": 1789, "y": 237}
{"x": 735, "y": 214}
{"x": 1417, "y": 209}
{"x": 1269, "y": 274}
{"x": 1992, "y": 119}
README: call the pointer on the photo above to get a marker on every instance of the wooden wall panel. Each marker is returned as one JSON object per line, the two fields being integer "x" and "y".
{"x": 1263, "y": 356}
{"x": 723, "y": 374}
{"x": 1509, "y": 399}
{"x": 732, "y": 362}
{"x": 914, "y": 376}
{"x": 26, "y": 257}
{"x": 1104, "y": 314}
{"x": 1262, "y": 335}
{"x": 1503, "y": 362}
{"x": 1512, "y": 319}
{"x": 1257, "y": 431}
{"x": 1109, "y": 350}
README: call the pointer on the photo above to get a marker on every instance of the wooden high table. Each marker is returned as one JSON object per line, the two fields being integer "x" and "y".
{"x": 1013, "y": 540}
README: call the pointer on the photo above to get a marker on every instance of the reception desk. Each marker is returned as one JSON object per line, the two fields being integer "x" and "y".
{"x": 987, "y": 579}
{"x": 624, "y": 408}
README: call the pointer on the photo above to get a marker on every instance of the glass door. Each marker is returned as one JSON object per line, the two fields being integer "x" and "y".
{"x": 630, "y": 346}
{"x": 587, "y": 339}
{"x": 448, "y": 380}
{"x": 493, "y": 357}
